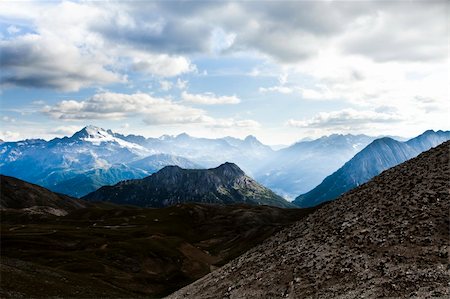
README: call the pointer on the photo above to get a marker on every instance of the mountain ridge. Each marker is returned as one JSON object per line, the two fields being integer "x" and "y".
{"x": 378, "y": 156}
{"x": 225, "y": 184}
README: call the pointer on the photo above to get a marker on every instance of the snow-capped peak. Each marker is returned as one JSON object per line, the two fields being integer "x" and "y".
{"x": 96, "y": 136}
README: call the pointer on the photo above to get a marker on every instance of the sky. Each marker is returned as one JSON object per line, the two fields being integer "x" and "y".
{"x": 278, "y": 70}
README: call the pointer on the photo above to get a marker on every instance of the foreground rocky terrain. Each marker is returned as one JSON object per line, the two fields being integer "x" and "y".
{"x": 388, "y": 238}
{"x": 51, "y": 248}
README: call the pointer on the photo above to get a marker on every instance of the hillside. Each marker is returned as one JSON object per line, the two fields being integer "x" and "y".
{"x": 386, "y": 238}
{"x": 108, "y": 251}
{"x": 378, "y": 156}
{"x": 226, "y": 184}
{"x": 20, "y": 195}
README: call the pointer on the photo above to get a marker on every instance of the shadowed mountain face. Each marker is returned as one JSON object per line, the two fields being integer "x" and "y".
{"x": 378, "y": 156}
{"x": 30, "y": 198}
{"x": 226, "y": 184}
{"x": 111, "y": 251}
{"x": 387, "y": 238}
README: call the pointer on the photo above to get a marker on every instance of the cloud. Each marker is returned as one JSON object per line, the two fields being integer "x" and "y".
{"x": 181, "y": 84}
{"x": 8, "y": 119}
{"x": 65, "y": 130}
{"x": 110, "y": 105}
{"x": 389, "y": 34}
{"x": 345, "y": 119}
{"x": 13, "y": 29}
{"x": 209, "y": 98}
{"x": 280, "y": 89}
{"x": 32, "y": 60}
{"x": 9, "y": 135}
{"x": 232, "y": 123}
{"x": 81, "y": 44}
{"x": 153, "y": 111}
{"x": 165, "y": 85}
{"x": 161, "y": 65}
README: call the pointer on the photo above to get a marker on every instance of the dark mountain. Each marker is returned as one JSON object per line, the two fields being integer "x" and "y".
{"x": 380, "y": 155}
{"x": 302, "y": 166}
{"x": 20, "y": 195}
{"x": 226, "y": 184}
{"x": 385, "y": 239}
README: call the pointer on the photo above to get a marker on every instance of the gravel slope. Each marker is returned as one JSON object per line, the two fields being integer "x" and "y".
{"x": 387, "y": 238}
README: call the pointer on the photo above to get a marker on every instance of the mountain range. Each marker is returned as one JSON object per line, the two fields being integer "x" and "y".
{"x": 378, "y": 156}
{"x": 388, "y": 238}
{"x": 226, "y": 184}
{"x": 94, "y": 157}
{"x": 302, "y": 166}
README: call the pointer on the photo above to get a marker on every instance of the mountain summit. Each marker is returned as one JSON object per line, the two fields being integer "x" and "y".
{"x": 226, "y": 184}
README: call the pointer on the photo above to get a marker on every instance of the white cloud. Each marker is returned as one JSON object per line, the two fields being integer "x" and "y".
{"x": 232, "y": 123}
{"x": 345, "y": 119}
{"x": 162, "y": 65}
{"x": 165, "y": 85}
{"x": 9, "y": 135}
{"x": 209, "y": 98}
{"x": 181, "y": 84}
{"x": 13, "y": 29}
{"x": 8, "y": 119}
{"x": 280, "y": 89}
{"x": 153, "y": 111}
{"x": 110, "y": 105}
{"x": 65, "y": 130}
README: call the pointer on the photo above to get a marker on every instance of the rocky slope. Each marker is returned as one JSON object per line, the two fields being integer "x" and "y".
{"x": 386, "y": 238}
{"x": 226, "y": 184}
{"x": 20, "y": 195}
{"x": 380, "y": 155}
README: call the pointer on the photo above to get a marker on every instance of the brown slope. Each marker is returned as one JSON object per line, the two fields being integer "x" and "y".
{"x": 136, "y": 251}
{"x": 387, "y": 238}
{"x": 18, "y": 194}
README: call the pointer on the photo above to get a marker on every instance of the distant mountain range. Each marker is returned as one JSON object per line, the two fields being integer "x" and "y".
{"x": 378, "y": 156}
{"x": 94, "y": 157}
{"x": 303, "y": 165}
{"x": 79, "y": 164}
{"x": 226, "y": 184}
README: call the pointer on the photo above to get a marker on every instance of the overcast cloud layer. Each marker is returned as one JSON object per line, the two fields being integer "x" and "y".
{"x": 280, "y": 70}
